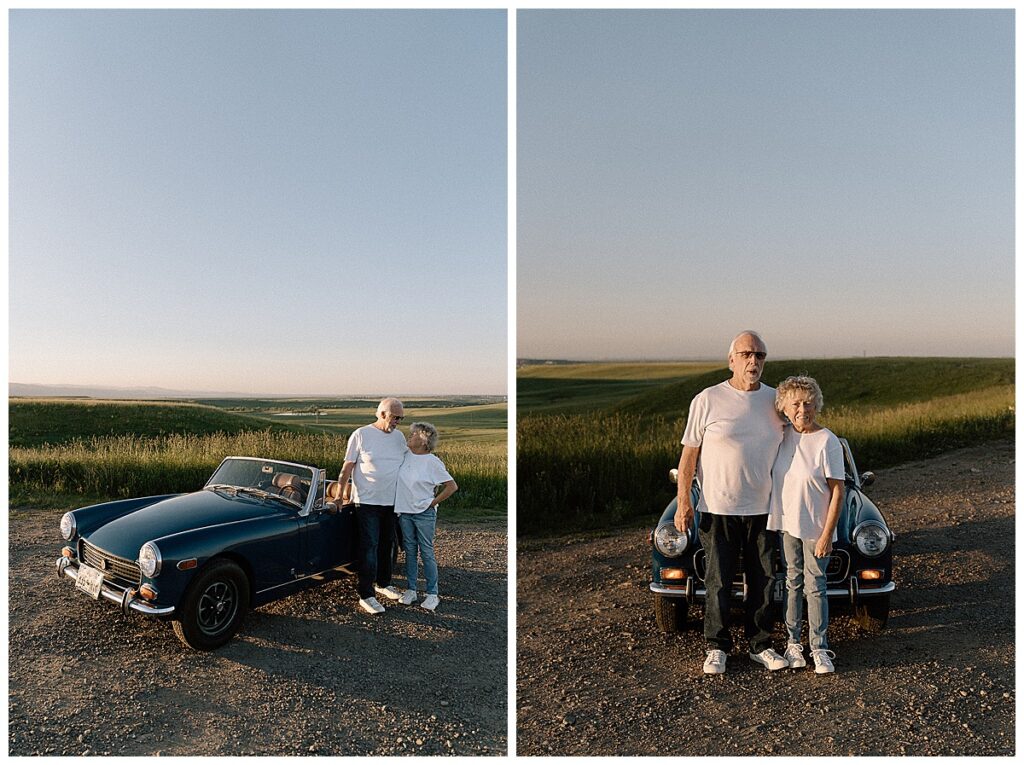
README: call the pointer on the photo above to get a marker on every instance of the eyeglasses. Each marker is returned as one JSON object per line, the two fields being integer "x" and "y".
{"x": 395, "y": 417}
{"x": 759, "y": 355}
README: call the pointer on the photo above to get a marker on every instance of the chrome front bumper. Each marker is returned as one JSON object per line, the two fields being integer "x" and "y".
{"x": 122, "y": 596}
{"x": 737, "y": 594}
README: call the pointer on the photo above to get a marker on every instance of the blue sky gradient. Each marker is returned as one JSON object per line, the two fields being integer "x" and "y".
{"x": 259, "y": 201}
{"x": 840, "y": 180}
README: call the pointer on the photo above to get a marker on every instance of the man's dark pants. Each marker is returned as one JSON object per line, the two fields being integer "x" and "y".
{"x": 725, "y": 538}
{"x": 376, "y": 532}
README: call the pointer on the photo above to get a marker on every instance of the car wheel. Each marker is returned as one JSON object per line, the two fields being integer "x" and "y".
{"x": 872, "y": 614}
{"x": 213, "y": 606}
{"x": 670, "y": 613}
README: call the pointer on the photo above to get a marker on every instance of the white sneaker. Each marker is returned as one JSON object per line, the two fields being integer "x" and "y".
{"x": 823, "y": 661}
{"x": 371, "y": 606}
{"x": 770, "y": 659}
{"x": 795, "y": 656}
{"x": 390, "y": 592}
{"x": 430, "y": 602}
{"x": 714, "y": 664}
{"x": 408, "y": 598}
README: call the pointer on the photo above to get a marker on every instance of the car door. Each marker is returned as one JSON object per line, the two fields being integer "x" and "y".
{"x": 328, "y": 536}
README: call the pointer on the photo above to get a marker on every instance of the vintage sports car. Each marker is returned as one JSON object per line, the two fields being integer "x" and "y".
{"x": 259, "y": 530}
{"x": 859, "y": 573}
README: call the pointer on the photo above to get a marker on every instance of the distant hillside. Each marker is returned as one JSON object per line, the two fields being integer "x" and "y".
{"x": 872, "y": 382}
{"x": 34, "y": 422}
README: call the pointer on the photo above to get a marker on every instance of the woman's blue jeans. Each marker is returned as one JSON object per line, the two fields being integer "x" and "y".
{"x": 418, "y": 536}
{"x": 805, "y": 576}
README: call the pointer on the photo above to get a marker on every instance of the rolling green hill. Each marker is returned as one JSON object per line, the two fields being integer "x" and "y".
{"x": 600, "y": 459}
{"x": 873, "y": 383}
{"x": 35, "y": 422}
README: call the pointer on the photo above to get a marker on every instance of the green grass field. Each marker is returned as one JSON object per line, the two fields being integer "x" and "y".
{"x": 72, "y": 451}
{"x": 605, "y": 463}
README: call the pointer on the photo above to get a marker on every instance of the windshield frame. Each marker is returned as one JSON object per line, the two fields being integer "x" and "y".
{"x": 313, "y": 472}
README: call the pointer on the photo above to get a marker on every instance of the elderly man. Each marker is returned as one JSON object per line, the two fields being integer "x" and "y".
{"x": 372, "y": 459}
{"x": 732, "y": 435}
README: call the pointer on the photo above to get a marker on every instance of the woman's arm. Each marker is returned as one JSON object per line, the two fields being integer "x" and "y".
{"x": 835, "y": 505}
{"x": 447, "y": 489}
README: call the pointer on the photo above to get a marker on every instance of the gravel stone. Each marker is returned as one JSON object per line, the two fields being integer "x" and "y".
{"x": 939, "y": 680}
{"x": 307, "y": 674}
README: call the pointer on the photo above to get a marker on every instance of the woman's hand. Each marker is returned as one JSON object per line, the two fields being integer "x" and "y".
{"x": 824, "y": 547}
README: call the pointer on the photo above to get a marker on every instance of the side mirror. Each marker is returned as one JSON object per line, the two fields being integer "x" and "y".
{"x": 673, "y": 475}
{"x": 867, "y": 478}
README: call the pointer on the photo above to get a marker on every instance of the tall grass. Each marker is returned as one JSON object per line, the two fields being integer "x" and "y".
{"x": 592, "y": 471}
{"x": 127, "y": 466}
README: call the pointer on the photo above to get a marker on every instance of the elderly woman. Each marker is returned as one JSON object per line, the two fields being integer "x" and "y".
{"x": 807, "y": 497}
{"x": 416, "y": 505}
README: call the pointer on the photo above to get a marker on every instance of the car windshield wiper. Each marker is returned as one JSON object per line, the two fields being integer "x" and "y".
{"x": 265, "y": 495}
{"x": 225, "y": 487}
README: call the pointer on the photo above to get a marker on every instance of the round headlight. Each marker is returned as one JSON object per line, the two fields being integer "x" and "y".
{"x": 871, "y": 539}
{"x": 149, "y": 559}
{"x": 68, "y": 526}
{"x": 669, "y": 541}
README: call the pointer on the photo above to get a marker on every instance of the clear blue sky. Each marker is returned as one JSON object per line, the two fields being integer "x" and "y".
{"x": 259, "y": 201}
{"x": 840, "y": 180}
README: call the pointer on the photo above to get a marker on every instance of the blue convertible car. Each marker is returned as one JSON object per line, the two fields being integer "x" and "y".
{"x": 258, "y": 531}
{"x": 859, "y": 573}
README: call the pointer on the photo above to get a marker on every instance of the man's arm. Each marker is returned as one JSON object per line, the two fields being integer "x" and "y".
{"x": 343, "y": 479}
{"x": 684, "y": 505}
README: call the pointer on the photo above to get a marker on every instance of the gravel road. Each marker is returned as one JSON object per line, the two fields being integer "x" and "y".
{"x": 596, "y": 677}
{"x": 307, "y": 675}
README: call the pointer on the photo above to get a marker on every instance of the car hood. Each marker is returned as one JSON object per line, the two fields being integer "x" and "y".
{"x": 125, "y": 535}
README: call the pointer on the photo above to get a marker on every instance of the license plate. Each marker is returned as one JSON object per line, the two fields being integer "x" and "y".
{"x": 90, "y": 580}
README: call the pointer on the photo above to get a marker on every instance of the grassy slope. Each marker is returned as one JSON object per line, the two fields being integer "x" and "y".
{"x": 603, "y": 463}
{"x": 855, "y": 383}
{"x": 565, "y": 388}
{"x": 34, "y": 422}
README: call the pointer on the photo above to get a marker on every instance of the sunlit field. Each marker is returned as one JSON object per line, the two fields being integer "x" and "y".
{"x": 608, "y": 465}
{"x": 148, "y": 448}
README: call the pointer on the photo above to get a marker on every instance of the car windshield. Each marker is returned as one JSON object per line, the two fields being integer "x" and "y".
{"x": 263, "y": 479}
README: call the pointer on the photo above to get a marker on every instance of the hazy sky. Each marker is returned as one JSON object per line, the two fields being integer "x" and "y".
{"x": 259, "y": 201}
{"x": 841, "y": 181}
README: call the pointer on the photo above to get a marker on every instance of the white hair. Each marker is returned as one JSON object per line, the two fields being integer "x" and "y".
{"x": 387, "y": 405}
{"x": 427, "y": 434}
{"x": 750, "y": 332}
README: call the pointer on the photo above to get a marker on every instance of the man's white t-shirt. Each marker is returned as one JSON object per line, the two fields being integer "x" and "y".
{"x": 419, "y": 476}
{"x": 378, "y": 457}
{"x": 738, "y": 433}
{"x": 800, "y": 493}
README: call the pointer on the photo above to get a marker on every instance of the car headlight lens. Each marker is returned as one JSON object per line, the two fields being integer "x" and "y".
{"x": 871, "y": 538}
{"x": 68, "y": 527}
{"x": 669, "y": 541}
{"x": 149, "y": 559}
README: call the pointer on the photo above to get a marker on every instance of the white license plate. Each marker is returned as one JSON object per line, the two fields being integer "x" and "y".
{"x": 90, "y": 580}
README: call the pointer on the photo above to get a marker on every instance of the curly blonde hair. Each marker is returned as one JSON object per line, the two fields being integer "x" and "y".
{"x": 795, "y": 384}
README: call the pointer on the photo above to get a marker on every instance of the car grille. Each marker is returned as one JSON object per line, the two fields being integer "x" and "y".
{"x": 115, "y": 569}
{"x": 837, "y": 571}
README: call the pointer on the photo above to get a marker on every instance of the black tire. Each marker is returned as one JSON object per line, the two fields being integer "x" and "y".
{"x": 213, "y": 607}
{"x": 670, "y": 613}
{"x": 872, "y": 614}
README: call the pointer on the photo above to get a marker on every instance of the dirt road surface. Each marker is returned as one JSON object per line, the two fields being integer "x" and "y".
{"x": 307, "y": 675}
{"x": 596, "y": 677}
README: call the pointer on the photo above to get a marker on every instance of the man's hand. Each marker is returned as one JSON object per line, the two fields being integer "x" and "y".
{"x": 684, "y": 516}
{"x": 824, "y": 547}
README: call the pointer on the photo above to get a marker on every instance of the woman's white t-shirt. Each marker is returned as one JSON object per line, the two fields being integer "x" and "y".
{"x": 419, "y": 475}
{"x": 800, "y": 493}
